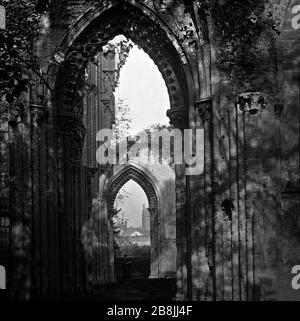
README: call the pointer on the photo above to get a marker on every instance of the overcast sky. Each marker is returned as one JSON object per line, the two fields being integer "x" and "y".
{"x": 143, "y": 89}
{"x": 134, "y": 204}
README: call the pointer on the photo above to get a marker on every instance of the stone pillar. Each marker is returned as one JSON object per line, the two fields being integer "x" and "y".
{"x": 178, "y": 118}
{"x": 5, "y": 214}
{"x": 99, "y": 113}
{"x": 253, "y": 105}
{"x": 155, "y": 246}
{"x": 203, "y": 218}
{"x": 20, "y": 200}
{"x": 72, "y": 204}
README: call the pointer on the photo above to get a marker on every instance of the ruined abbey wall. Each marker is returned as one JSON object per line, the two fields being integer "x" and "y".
{"x": 237, "y": 224}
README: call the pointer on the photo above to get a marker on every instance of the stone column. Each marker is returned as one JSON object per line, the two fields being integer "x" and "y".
{"x": 203, "y": 222}
{"x": 154, "y": 239}
{"x": 70, "y": 144}
{"x": 4, "y": 191}
{"x": 20, "y": 199}
{"x": 252, "y": 106}
{"x": 178, "y": 118}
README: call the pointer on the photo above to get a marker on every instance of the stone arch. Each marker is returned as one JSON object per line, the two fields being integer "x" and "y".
{"x": 145, "y": 28}
{"x": 116, "y": 180}
{"x": 82, "y": 41}
{"x": 123, "y": 174}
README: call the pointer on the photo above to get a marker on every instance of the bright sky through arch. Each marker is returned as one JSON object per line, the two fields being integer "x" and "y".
{"x": 133, "y": 205}
{"x": 142, "y": 87}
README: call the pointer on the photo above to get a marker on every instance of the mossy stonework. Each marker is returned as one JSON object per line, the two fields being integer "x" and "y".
{"x": 230, "y": 67}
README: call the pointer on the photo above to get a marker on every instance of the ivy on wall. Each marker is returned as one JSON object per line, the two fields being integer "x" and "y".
{"x": 17, "y": 54}
{"x": 243, "y": 34}
{"x": 241, "y": 31}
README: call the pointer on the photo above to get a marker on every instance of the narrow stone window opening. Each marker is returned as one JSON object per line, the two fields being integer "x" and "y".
{"x": 2, "y": 278}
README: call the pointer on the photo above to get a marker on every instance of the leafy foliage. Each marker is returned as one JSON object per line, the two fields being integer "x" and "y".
{"x": 243, "y": 32}
{"x": 120, "y": 216}
{"x": 122, "y": 120}
{"x": 237, "y": 28}
{"x": 160, "y": 133}
{"x": 122, "y": 48}
{"x": 117, "y": 222}
{"x": 135, "y": 250}
{"x": 121, "y": 131}
{"x": 17, "y": 53}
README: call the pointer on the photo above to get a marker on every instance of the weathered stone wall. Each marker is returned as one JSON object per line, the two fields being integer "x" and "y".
{"x": 98, "y": 113}
{"x": 288, "y": 147}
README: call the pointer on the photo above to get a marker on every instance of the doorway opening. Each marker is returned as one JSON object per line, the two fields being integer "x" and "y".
{"x": 132, "y": 232}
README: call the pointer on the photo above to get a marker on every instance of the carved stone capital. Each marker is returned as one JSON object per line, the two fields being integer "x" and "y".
{"x": 252, "y": 102}
{"x": 204, "y": 108}
{"x": 178, "y": 118}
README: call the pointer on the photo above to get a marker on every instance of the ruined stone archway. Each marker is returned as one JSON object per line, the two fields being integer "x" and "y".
{"x": 163, "y": 258}
{"x": 80, "y": 46}
{"x": 237, "y": 223}
{"x": 89, "y": 37}
{"x": 123, "y": 174}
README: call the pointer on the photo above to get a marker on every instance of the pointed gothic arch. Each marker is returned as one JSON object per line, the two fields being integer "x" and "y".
{"x": 83, "y": 41}
{"x": 137, "y": 22}
{"x": 123, "y": 174}
{"x": 116, "y": 179}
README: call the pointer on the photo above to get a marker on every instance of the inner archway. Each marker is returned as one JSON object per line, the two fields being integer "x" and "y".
{"x": 120, "y": 176}
{"x": 132, "y": 233}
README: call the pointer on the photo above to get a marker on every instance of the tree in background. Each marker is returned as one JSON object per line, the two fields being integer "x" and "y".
{"x": 121, "y": 131}
{"x": 131, "y": 249}
{"x": 166, "y": 147}
{"x": 122, "y": 121}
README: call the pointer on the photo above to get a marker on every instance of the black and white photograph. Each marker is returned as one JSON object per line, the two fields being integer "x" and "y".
{"x": 149, "y": 154}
